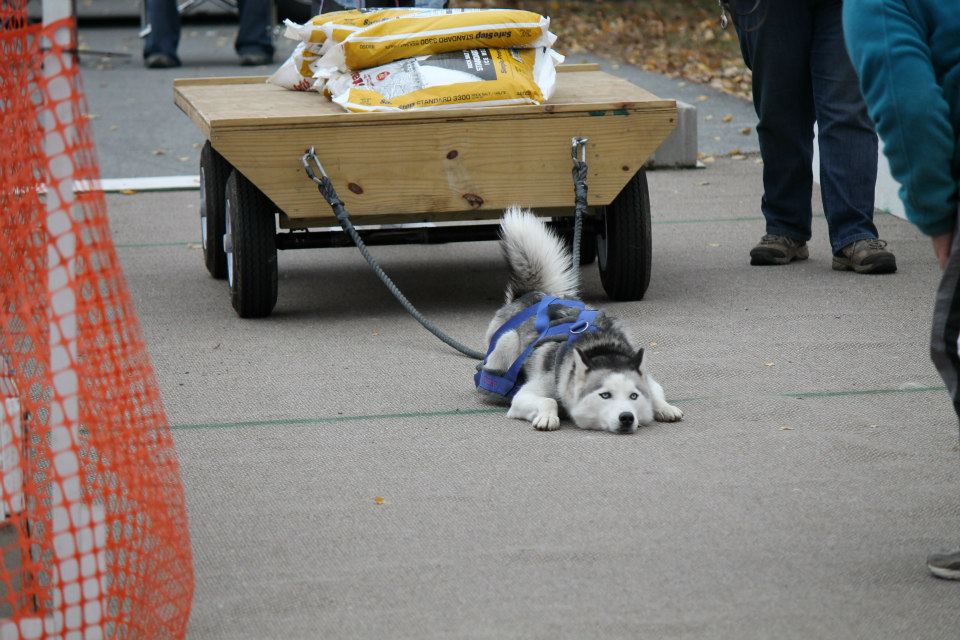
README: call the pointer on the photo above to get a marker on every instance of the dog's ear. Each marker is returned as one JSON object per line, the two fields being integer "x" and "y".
{"x": 637, "y": 359}
{"x": 581, "y": 359}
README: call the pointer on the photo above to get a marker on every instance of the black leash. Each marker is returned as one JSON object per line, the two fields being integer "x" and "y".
{"x": 315, "y": 172}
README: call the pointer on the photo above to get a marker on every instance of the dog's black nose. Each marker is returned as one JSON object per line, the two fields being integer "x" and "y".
{"x": 626, "y": 419}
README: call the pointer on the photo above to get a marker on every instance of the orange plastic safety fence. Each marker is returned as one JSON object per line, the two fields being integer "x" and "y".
{"x": 93, "y": 539}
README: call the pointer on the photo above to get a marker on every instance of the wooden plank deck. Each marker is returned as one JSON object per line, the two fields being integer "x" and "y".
{"x": 431, "y": 164}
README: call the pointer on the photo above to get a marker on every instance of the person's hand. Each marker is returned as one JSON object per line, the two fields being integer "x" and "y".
{"x": 941, "y": 247}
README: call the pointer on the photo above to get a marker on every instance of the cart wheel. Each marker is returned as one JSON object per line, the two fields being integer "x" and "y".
{"x": 624, "y": 243}
{"x": 251, "y": 249}
{"x": 214, "y": 171}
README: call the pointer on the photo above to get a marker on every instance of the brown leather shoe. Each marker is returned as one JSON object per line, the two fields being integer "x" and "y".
{"x": 778, "y": 250}
{"x": 865, "y": 256}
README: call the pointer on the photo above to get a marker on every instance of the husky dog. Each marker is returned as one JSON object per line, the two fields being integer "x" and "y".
{"x": 598, "y": 379}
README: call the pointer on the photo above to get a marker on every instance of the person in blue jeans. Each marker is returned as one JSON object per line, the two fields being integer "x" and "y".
{"x": 254, "y": 43}
{"x": 907, "y": 54}
{"x": 801, "y": 76}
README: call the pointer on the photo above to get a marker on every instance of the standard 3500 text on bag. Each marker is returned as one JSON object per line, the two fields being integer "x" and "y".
{"x": 471, "y": 78}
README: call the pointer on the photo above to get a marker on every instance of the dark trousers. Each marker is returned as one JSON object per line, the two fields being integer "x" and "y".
{"x": 802, "y": 75}
{"x": 253, "y": 35}
{"x": 944, "y": 347}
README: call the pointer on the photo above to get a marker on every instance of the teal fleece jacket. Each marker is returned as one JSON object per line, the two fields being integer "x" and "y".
{"x": 907, "y": 54}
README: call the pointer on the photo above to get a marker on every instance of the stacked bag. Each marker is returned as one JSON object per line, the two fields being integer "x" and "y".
{"x": 403, "y": 59}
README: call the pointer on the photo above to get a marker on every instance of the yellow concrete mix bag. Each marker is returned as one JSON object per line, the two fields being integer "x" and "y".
{"x": 342, "y": 24}
{"x": 472, "y": 78}
{"x": 296, "y": 73}
{"x": 433, "y": 31}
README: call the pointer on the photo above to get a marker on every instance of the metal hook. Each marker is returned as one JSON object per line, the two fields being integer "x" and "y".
{"x": 309, "y": 156}
{"x": 581, "y": 145}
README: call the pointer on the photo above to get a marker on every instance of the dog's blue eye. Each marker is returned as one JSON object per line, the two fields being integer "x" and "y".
{"x": 634, "y": 396}
{"x": 605, "y": 395}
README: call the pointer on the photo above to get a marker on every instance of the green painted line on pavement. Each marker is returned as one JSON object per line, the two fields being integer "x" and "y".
{"x": 295, "y": 422}
{"x": 335, "y": 419}
{"x": 354, "y": 418}
{"x": 862, "y": 392}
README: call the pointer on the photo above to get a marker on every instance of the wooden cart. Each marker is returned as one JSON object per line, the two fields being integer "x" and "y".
{"x": 419, "y": 166}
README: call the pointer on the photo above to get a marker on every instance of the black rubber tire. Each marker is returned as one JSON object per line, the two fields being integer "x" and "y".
{"x": 252, "y": 229}
{"x": 625, "y": 242}
{"x": 214, "y": 171}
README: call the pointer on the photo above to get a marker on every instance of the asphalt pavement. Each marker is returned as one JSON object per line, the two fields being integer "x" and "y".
{"x": 344, "y": 481}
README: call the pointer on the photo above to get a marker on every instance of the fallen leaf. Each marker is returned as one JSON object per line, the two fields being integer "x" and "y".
{"x": 708, "y": 117}
{"x": 378, "y": 500}
{"x": 768, "y": 364}
{"x": 709, "y": 160}
{"x": 728, "y": 118}
{"x": 183, "y": 158}
{"x": 704, "y": 184}
{"x": 128, "y": 192}
{"x": 702, "y": 98}
{"x": 91, "y": 116}
{"x": 159, "y": 152}
{"x": 653, "y": 345}
{"x": 713, "y": 244}
{"x": 786, "y": 429}
{"x": 376, "y": 333}
{"x": 737, "y": 156}
{"x": 746, "y": 131}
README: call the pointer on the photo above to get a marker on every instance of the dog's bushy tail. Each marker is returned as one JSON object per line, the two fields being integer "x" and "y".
{"x": 538, "y": 258}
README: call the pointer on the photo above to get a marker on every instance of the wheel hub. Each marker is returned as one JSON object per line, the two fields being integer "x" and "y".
{"x": 228, "y": 238}
{"x": 203, "y": 209}
{"x": 602, "y": 240}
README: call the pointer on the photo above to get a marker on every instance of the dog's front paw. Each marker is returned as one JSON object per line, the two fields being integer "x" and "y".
{"x": 546, "y": 422}
{"x": 668, "y": 413}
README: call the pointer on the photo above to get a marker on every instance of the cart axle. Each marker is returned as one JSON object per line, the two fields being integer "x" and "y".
{"x": 409, "y": 235}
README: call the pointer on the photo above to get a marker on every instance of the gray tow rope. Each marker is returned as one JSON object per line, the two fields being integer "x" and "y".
{"x": 315, "y": 172}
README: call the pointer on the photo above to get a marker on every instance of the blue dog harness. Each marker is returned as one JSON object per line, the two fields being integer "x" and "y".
{"x": 506, "y": 385}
